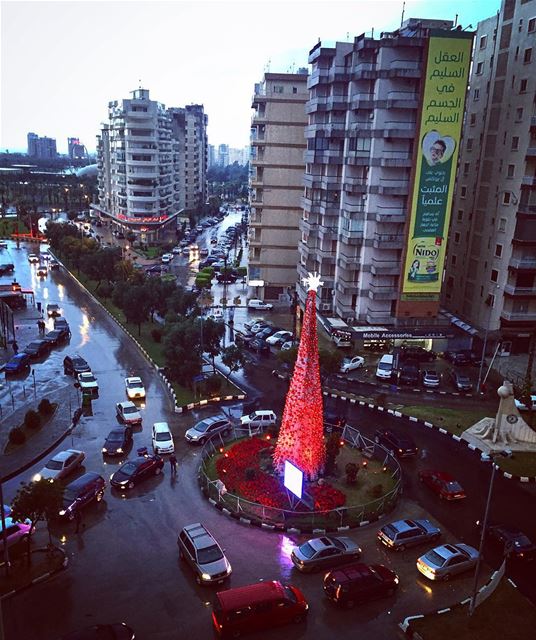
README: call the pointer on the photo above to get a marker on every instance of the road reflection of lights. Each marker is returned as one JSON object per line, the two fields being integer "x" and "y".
{"x": 84, "y": 330}
{"x": 63, "y": 539}
{"x": 426, "y": 588}
{"x": 61, "y": 291}
{"x": 44, "y": 293}
{"x": 285, "y": 549}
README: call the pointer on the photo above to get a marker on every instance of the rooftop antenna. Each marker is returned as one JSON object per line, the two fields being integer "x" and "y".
{"x": 140, "y": 83}
{"x": 348, "y": 36}
{"x": 403, "y": 11}
{"x": 455, "y": 21}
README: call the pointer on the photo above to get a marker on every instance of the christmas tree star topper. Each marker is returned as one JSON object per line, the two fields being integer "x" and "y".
{"x": 312, "y": 281}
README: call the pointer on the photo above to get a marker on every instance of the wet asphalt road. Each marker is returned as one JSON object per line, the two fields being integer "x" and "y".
{"x": 124, "y": 564}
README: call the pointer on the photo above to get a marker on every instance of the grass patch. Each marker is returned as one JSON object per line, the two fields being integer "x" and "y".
{"x": 150, "y": 253}
{"x": 7, "y": 227}
{"x": 520, "y": 464}
{"x": 505, "y": 615}
{"x": 453, "y": 420}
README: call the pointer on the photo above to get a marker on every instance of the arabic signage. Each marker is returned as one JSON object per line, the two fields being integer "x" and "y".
{"x": 445, "y": 84}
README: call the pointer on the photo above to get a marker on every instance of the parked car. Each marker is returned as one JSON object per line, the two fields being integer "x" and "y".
{"x": 177, "y": 250}
{"x": 260, "y": 419}
{"x": 167, "y": 258}
{"x": 327, "y": 551}
{"x": 118, "y": 441}
{"x": 19, "y": 363}
{"x": 259, "y": 326}
{"x": 61, "y": 465}
{"x": 288, "y": 345}
{"x": 523, "y": 407}
{"x": 135, "y": 471}
{"x": 262, "y": 605}
{"x": 80, "y": 492}
{"x": 356, "y": 583}
{"x": 250, "y": 323}
{"x": 73, "y": 365}
{"x": 199, "y": 549}
{"x": 460, "y": 381}
{"x": 61, "y": 323}
{"x": 401, "y": 534}
{"x": 279, "y": 338}
{"x": 401, "y": 446}
{"x": 259, "y": 345}
{"x": 226, "y": 278}
{"x": 56, "y": 336}
{"x": 510, "y": 541}
{"x": 6, "y": 268}
{"x": 259, "y": 304}
{"x": 419, "y": 354}
{"x": 53, "y": 310}
{"x": 430, "y": 379}
{"x": 162, "y": 439}
{"x": 53, "y": 265}
{"x": 134, "y": 387}
{"x": 409, "y": 373}
{"x": 37, "y": 349}
{"x": 15, "y": 532}
{"x": 33, "y": 258}
{"x": 349, "y": 364}
{"x": 443, "y": 484}
{"x": 119, "y": 631}
{"x": 128, "y": 413}
{"x": 447, "y": 560}
{"x": 88, "y": 383}
{"x": 460, "y": 358}
{"x": 384, "y": 370}
{"x": 208, "y": 427}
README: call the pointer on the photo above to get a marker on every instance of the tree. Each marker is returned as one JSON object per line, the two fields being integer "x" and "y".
{"x": 232, "y": 358}
{"x": 35, "y": 501}
{"x": 330, "y": 361}
{"x": 182, "y": 351}
{"x": 135, "y": 302}
{"x": 212, "y": 333}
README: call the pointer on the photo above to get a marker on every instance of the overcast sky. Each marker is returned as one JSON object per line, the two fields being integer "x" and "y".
{"x": 62, "y": 62}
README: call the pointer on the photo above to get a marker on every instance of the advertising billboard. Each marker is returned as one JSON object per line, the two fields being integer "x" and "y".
{"x": 444, "y": 87}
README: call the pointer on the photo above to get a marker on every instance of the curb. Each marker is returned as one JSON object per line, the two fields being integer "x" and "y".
{"x": 177, "y": 408}
{"x": 41, "y": 578}
{"x": 509, "y": 476}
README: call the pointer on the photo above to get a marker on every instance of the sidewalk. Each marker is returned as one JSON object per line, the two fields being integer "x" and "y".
{"x": 26, "y": 330}
{"x": 45, "y": 438}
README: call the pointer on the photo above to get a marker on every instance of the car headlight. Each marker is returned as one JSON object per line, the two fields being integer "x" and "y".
{"x": 205, "y": 576}
{"x": 104, "y": 450}
{"x": 63, "y": 512}
{"x": 120, "y": 450}
{"x": 37, "y": 477}
{"x": 396, "y": 580}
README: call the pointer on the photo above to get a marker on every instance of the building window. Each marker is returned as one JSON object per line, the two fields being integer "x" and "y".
{"x": 494, "y": 275}
{"x": 463, "y": 192}
{"x": 527, "y": 56}
{"x": 490, "y": 300}
{"x": 470, "y": 144}
{"x": 459, "y": 217}
{"x": 472, "y": 119}
{"x": 278, "y": 88}
{"x": 479, "y": 68}
{"x": 476, "y": 95}
{"x": 523, "y": 85}
{"x": 532, "y": 25}
{"x": 466, "y": 169}
{"x": 294, "y": 89}
{"x": 498, "y": 250}
{"x": 511, "y": 171}
{"x": 507, "y": 197}
{"x": 515, "y": 143}
{"x": 456, "y": 238}
{"x": 519, "y": 114}
{"x": 502, "y": 224}
{"x": 483, "y": 41}
{"x": 453, "y": 259}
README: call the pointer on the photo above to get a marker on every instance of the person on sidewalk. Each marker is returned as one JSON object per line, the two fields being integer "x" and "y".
{"x": 173, "y": 464}
{"x": 15, "y": 347}
{"x": 78, "y": 520}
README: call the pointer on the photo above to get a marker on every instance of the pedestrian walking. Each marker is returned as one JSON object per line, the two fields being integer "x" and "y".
{"x": 15, "y": 346}
{"x": 38, "y": 307}
{"x": 173, "y": 464}
{"x": 424, "y": 454}
{"x": 78, "y": 520}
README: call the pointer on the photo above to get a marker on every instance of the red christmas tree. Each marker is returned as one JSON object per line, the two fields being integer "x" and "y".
{"x": 301, "y": 438}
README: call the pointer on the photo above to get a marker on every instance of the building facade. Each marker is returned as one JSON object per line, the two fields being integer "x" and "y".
{"x": 148, "y": 164}
{"x": 276, "y": 182}
{"x": 223, "y": 155}
{"x": 365, "y": 102}
{"x": 41, "y": 147}
{"x": 490, "y": 278}
{"x": 75, "y": 149}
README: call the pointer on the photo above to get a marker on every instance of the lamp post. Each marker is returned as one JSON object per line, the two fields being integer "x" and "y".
{"x": 488, "y": 302}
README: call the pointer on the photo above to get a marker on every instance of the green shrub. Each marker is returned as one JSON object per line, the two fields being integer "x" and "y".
{"x": 156, "y": 334}
{"x": 45, "y": 407}
{"x": 203, "y": 282}
{"x": 242, "y": 271}
{"x": 351, "y": 473}
{"x": 213, "y": 384}
{"x": 16, "y": 436}
{"x": 32, "y": 419}
{"x": 208, "y": 270}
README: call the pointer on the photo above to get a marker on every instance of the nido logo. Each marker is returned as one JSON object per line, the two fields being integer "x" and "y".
{"x": 422, "y": 251}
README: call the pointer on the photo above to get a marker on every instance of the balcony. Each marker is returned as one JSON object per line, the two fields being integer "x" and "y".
{"x": 529, "y": 181}
{"x": 138, "y": 115}
{"x": 523, "y": 264}
{"x": 385, "y": 267}
{"x": 518, "y": 316}
{"x": 318, "y": 76}
{"x": 385, "y": 292}
{"x": 347, "y": 287}
{"x": 336, "y": 103}
{"x": 389, "y": 186}
{"x": 390, "y": 214}
{"x": 402, "y": 100}
{"x": 521, "y": 292}
{"x": 388, "y": 241}
{"x": 531, "y": 152}
{"x": 346, "y": 261}
{"x": 379, "y": 317}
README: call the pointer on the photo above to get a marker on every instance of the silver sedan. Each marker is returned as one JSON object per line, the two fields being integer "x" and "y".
{"x": 447, "y": 560}
{"x": 327, "y": 551}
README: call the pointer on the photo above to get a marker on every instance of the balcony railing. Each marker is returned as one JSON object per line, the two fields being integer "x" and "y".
{"x": 514, "y": 290}
{"x": 385, "y": 267}
{"x": 388, "y": 241}
{"x": 519, "y": 316}
{"x": 523, "y": 263}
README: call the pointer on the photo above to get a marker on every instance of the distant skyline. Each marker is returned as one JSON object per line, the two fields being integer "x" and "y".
{"x": 62, "y": 62}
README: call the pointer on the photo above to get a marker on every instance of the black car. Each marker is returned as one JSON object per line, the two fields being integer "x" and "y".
{"x": 266, "y": 332}
{"x": 259, "y": 345}
{"x": 242, "y": 339}
{"x": 137, "y": 470}
{"x": 409, "y": 373}
{"x": 6, "y": 268}
{"x": 56, "y": 337}
{"x": 359, "y": 582}
{"x": 461, "y": 358}
{"x": 37, "y": 349}
{"x": 416, "y": 353}
{"x": 511, "y": 542}
{"x": 229, "y": 278}
{"x": 119, "y": 631}
{"x": 19, "y": 363}
{"x": 61, "y": 323}
{"x": 53, "y": 265}
{"x": 73, "y": 365}
{"x": 401, "y": 446}
{"x": 117, "y": 441}
{"x": 81, "y": 492}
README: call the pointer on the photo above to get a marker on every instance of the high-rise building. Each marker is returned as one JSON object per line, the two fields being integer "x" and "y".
{"x": 151, "y": 164}
{"x": 211, "y": 155}
{"x": 75, "y": 149}
{"x": 490, "y": 280}
{"x": 223, "y": 155}
{"x": 42, "y": 148}
{"x": 240, "y": 156}
{"x": 276, "y": 182}
{"x": 373, "y": 121}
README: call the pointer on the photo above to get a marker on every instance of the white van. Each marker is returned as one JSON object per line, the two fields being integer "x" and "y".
{"x": 385, "y": 367}
{"x": 162, "y": 438}
{"x": 258, "y": 420}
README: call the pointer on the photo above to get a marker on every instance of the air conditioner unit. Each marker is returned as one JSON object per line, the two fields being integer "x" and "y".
{"x": 326, "y": 307}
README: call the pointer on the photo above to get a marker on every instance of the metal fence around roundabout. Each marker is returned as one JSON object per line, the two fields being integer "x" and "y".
{"x": 346, "y": 516}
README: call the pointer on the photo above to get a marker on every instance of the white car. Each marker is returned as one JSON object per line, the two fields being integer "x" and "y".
{"x": 250, "y": 323}
{"x": 134, "y": 387}
{"x": 521, "y": 406}
{"x": 349, "y": 364}
{"x": 61, "y": 465}
{"x": 259, "y": 419}
{"x": 162, "y": 438}
{"x": 167, "y": 258}
{"x": 128, "y": 413}
{"x": 176, "y": 250}
{"x": 33, "y": 258}
{"x": 280, "y": 337}
{"x": 259, "y": 304}
{"x": 88, "y": 382}
{"x": 288, "y": 345}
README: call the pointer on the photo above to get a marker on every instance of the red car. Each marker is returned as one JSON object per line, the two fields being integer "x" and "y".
{"x": 442, "y": 483}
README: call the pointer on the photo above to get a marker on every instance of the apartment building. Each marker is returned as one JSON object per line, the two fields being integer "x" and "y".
{"x": 151, "y": 165}
{"x": 223, "y": 155}
{"x": 490, "y": 281}
{"x": 41, "y": 147}
{"x": 363, "y": 159}
{"x": 276, "y": 182}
